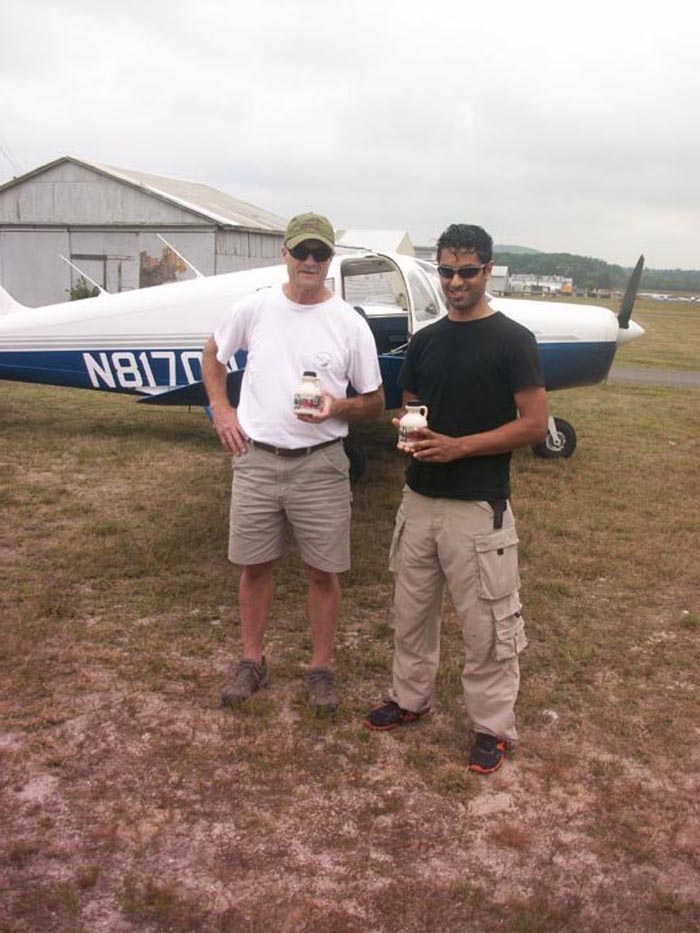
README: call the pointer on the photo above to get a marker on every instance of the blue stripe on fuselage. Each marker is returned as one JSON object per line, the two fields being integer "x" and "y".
{"x": 120, "y": 370}
{"x": 568, "y": 365}
{"x": 565, "y": 365}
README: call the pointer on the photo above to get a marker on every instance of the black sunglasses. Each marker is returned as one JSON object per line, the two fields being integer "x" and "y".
{"x": 320, "y": 253}
{"x": 464, "y": 272}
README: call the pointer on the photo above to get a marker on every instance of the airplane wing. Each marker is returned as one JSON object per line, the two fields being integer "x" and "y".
{"x": 194, "y": 394}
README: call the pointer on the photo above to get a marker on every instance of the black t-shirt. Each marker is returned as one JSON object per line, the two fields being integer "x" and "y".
{"x": 467, "y": 373}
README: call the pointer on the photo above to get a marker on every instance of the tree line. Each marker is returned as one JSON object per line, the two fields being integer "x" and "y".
{"x": 588, "y": 273}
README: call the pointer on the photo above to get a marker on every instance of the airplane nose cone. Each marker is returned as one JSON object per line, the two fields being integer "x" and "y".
{"x": 631, "y": 332}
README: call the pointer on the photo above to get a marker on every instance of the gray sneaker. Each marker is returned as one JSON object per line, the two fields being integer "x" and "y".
{"x": 246, "y": 678}
{"x": 322, "y": 696}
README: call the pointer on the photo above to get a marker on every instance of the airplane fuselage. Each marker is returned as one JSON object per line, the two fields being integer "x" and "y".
{"x": 149, "y": 341}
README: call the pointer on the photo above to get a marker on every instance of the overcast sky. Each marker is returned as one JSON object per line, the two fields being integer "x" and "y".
{"x": 563, "y": 127}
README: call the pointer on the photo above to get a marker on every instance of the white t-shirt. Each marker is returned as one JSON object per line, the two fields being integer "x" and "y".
{"x": 283, "y": 339}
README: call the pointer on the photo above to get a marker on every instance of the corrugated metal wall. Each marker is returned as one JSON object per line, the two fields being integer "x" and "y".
{"x": 32, "y": 271}
{"x": 108, "y": 229}
{"x": 30, "y": 267}
{"x": 241, "y": 249}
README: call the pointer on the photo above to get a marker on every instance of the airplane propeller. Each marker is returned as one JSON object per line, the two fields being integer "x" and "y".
{"x": 627, "y": 303}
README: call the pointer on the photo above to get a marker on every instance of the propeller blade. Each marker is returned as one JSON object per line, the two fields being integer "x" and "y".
{"x": 627, "y": 303}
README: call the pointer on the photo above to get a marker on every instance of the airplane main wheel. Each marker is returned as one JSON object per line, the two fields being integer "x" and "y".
{"x": 563, "y": 445}
{"x": 357, "y": 458}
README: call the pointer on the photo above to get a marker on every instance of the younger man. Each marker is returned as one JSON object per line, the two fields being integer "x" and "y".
{"x": 479, "y": 374}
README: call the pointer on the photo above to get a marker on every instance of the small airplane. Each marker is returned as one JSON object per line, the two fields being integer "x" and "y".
{"x": 148, "y": 342}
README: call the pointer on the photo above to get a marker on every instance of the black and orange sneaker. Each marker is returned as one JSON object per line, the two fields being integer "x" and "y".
{"x": 389, "y": 716}
{"x": 487, "y": 753}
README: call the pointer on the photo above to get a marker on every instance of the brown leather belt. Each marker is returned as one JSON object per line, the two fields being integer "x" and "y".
{"x": 295, "y": 451}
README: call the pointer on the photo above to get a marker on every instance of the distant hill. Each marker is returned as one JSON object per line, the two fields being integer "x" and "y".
{"x": 515, "y": 250}
{"x": 594, "y": 273}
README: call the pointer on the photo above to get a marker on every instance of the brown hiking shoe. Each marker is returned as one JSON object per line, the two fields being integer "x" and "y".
{"x": 246, "y": 678}
{"x": 322, "y": 696}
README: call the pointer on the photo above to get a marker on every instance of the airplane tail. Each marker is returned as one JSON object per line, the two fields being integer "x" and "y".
{"x": 8, "y": 303}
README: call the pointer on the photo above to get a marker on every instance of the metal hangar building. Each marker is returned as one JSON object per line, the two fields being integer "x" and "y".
{"x": 106, "y": 221}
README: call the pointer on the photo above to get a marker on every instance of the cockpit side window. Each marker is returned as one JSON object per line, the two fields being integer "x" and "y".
{"x": 375, "y": 287}
{"x": 426, "y": 307}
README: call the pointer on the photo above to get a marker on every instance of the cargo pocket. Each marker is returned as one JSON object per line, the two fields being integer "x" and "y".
{"x": 497, "y": 553}
{"x": 499, "y": 581}
{"x": 509, "y": 624}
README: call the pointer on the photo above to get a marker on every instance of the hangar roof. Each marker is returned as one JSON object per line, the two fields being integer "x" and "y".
{"x": 193, "y": 196}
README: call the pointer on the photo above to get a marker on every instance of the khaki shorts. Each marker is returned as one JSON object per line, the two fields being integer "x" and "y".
{"x": 311, "y": 492}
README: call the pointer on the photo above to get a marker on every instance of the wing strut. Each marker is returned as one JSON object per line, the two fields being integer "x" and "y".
{"x": 80, "y": 272}
{"x": 186, "y": 261}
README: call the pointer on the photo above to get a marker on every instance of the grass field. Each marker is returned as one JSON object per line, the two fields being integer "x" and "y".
{"x": 672, "y": 336}
{"x": 132, "y": 801}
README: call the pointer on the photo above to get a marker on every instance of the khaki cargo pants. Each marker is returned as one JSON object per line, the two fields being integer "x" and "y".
{"x": 438, "y": 541}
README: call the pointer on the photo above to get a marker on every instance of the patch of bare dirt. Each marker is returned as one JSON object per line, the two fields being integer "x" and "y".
{"x": 127, "y": 810}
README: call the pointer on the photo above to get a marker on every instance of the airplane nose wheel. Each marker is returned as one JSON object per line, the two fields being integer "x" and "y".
{"x": 559, "y": 442}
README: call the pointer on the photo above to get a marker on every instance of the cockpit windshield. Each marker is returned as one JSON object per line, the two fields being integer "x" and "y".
{"x": 425, "y": 289}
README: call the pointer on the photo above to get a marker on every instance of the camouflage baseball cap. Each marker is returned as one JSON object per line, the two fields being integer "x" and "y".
{"x": 309, "y": 227}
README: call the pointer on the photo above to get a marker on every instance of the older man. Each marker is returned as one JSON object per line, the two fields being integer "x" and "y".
{"x": 286, "y": 467}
